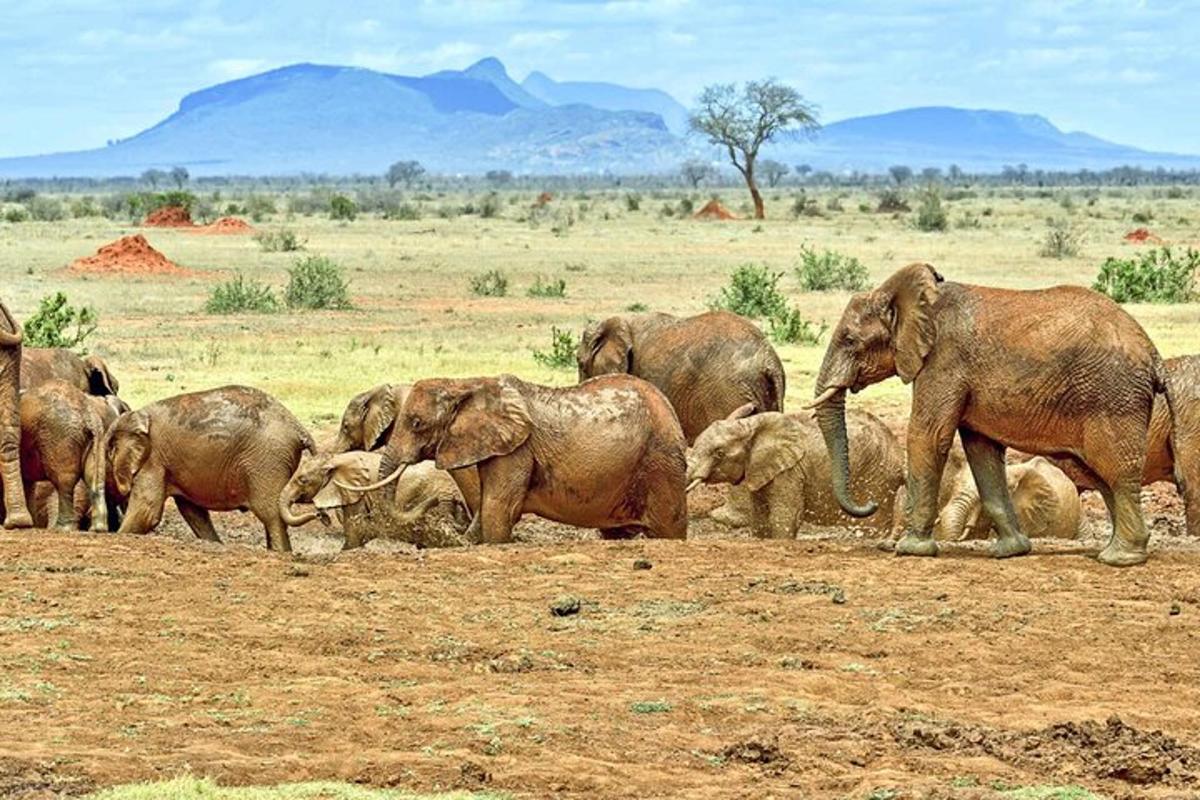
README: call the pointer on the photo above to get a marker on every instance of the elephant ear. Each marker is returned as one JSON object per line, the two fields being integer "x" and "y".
{"x": 354, "y": 468}
{"x": 743, "y": 411}
{"x": 100, "y": 381}
{"x": 611, "y": 349}
{"x": 912, "y": 293}
{"x": 1030, "y": 489}
{"x": 489, "y": 419}
{"x": 774, "y": 448}
{"x": 130, "y": 447}
{"x": 379, "y": 415}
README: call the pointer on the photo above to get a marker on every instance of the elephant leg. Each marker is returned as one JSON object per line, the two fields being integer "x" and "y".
{"x": 268, "y": 514}
{"x": 502, "y": 483}
{"x": 197, "y": 519}
{"x": 986, "y": 458}
{"x": 665, "y": 516}
{"x": 35, "y": 501}
{"x": 64, "y": 487}
{"x": 145, "y": 506}
{"x": 467, "y": 481}
{"x": 929, "y": 443}
{"x": 775, "y": 512}
{"x": 1116, "y": 454}
{"x": 737, "y": 511}
{"x": 1187, "y": 480}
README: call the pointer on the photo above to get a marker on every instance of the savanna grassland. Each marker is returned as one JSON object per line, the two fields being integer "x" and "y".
{"x": 564, "y": 666}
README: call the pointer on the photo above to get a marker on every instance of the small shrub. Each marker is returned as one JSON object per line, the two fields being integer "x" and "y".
{"x": 687, "y": 207}
{"x": 633, "y": 201}
{"x": 561, "y": 354}
{"x": 1175, "y": 193}
{"x": 448, "y": 211}
{"x": 85, "y": 207}
{"x": 260, "y": 205}
{"x": 805, "y": 206}
{"x": 241, "y": 295}
{"x": 1062, "y": 240}
{"x": 1156, "y": 276}
{"x": 834, "y": 204}
{"x": 342, "y": 207}
{"x": 1144, "y": 217}
{"x": 931, "y": 215}
{"x": 51, "y": 323}
{"x": 489, "y": 207}
{"x": 284, "y": 240}
{"x": 829, "y": 271}
{"x": 46, "y": 209}
{"x": 968, "y": 221}
{"x": 637, "y": 307}
{"x": 891, "y": 201}
{"x": 315, "y": 283}
{"x": 403, "y": 211}
{"x": 492, "y": 283}
{"x": 788, "y": 326}
{"x": 753, "y": 291}
{"x": 16, "y": 214}
{"x": 547, "y": 288}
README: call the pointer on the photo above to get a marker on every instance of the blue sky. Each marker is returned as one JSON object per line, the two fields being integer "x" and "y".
{"x": 78, "y": 72}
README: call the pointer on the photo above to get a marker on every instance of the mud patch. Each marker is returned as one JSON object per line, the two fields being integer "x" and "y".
{"x": 26, "y": 780}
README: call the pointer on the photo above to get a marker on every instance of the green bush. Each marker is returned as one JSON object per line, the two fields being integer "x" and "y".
{"x": 805, "y": 206}
{"x": 489, "y": 206}
{"x": 1062, "y": 240}
{"x": 283, "y": 240}
{"x": 637, "y": 307}
{"x": 16, "y": 214}
{"x": 85, "y": 207}
{"x": 931, "y": 216}
{"x": 492, "y": 283}
{"x": 1156, "y": 276}
{"x": 892, "y": 201}
{"x": 1144, "y": 217}
{"x": 50, "y": 325}
{"x": 561, "y": 354}
{"x": 342, "y": 207}
{"x": 403, "y": 211}
{"x": 259, "y": 206}
{"x": 547, "y": 288}
{"x": 241, "y": 295}
{"x": 829, "y": 271}
{"x": 46, "y": 209}
{"x": 788, "y": 326}
{"x": 316, "y": 282}
{"x": 753, "y": 291}
{"x": 633, "y": 201}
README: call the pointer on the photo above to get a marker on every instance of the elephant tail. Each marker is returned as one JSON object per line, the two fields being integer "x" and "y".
{"x": 773, "y": 386}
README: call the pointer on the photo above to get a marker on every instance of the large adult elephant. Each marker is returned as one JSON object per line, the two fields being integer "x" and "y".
{"x": 605, "y": 454}
{"x": 707, "y": 365}
{"x": 16, "y": 513}
{"x": 227, "y": 449}
{"x": 1061, "y": 371}
{"x": 89, "y": 374}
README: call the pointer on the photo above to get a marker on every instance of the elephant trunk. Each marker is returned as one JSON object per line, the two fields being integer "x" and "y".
{"x": 959, "y": 515}
{"x": 98, "y": 499}
{"x": 287, "y": 498}
{"x": 831, "y": 417}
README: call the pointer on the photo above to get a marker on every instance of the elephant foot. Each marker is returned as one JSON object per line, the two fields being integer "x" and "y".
{"x": 913, "y": 545}
{"x": 1118, "y": 555}
{"x": 729, "y": 517}
{"x": 1010, "y": 546}
{"x": 18, "y": 519}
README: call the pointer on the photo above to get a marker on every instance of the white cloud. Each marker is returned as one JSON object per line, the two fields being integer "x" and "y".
{"x": 449, "y": 55}
{"x": 111, "y": 37}
{"x": 364, "y": 28}
{"x": 229, "y": 68}
{"x": 534, "y": 39}
{"x": 644, "y": 9}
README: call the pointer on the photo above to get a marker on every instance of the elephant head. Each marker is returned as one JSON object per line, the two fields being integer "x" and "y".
{"x": 101, "y": 382}
{"x": 127, "y": 448}
{"x": 604, "y": 348}
{"x": 314, "y": 481}
{"x": 368, "y": 418}
{"x": 885, "y": 332}
{"x": 456, "y": 423}
{"x": 744, "y": 449}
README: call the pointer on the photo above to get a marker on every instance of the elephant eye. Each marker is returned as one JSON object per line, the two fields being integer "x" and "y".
{"x": 719, "y": 455}
{"x": 415, "y": 424}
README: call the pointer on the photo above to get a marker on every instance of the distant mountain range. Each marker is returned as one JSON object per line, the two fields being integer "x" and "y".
{"x": 343, "y": 120}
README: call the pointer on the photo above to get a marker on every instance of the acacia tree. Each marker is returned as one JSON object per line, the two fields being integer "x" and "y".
{"x": 404, "y": 171}
{"x": 743, "y": 121}
{"x": 180, "y": 176}
{"x": 694, "y": 171}
{"x": 773, "y": 171}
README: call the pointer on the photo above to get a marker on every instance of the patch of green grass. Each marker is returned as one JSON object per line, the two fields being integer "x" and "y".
{"x": 650, "y": 707}
{"x": 1050, "y": 793}
{"x": 492, "y": 283}
{"x": 547, "y": 288}
{"x": 193, "y": 788}
{"x": 241, "y": 295}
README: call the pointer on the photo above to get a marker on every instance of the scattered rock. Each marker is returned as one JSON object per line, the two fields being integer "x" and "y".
{"x": 565, "y": 606}
{"x": 1175, "y": 610}
{"x": 642, "y": 563}
{"x": 473, "y": 774}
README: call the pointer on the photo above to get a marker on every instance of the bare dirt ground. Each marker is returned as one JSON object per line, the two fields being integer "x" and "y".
{"x": 570, "y": 667}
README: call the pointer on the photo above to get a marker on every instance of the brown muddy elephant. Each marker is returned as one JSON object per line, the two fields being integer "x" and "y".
{"x": 1173, "y": 446}
{"x": 605, "y": 454}
{"x": 89, "y": 374}
{"x": 708, "y": 365}
{"x": 782, "y": 461}
{"x": 424, "y": 490}
{"x": 1061, "y": 371}
{"x": 62, "y": 441}
{"x": 226, "y": 449}
{"x": 16, "y": 513}
{"x": 1044, "y": 498}
{"x": 367, "y": 424}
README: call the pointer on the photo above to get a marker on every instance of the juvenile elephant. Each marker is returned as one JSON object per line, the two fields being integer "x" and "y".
{"x": 781, "y": 460}
{"x": 89, "y": 374}
{"x": 62, "y": 440}
{"x": 707, "y": 365}
{"x": 226, "y": 449}
{"x": 1055, "y": 371}
{"x": 422, "y": 490}
{"x": 367, "y": 424}
{"x": 605, "y": 454}
{"x": 1045, "y": 499}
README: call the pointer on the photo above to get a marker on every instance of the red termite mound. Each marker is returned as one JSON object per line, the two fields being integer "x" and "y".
{"x": 129, "y": 255}
{"x": 169, "y": 217}
{"x": 714, "y": 210}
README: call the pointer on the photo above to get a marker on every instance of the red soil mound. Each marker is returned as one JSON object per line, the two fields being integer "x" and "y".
{"x": 169, "y": 217}
{"x": 129, "y": 255}
{"x": 1141, "y": 236}
{"x": 714, "y": 210}
{"x": 225, "y": 225}
{"x": 542, "y": 199}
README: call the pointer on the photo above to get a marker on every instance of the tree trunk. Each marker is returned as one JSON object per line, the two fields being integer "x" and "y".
{"x": 16, "y": 515}
{"x": 755, "y": 195}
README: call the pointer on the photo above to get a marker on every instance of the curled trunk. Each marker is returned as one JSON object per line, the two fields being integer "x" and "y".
{"x": 831, "y": 417}
{"x": 287, "y": 498}
{"x": 960, "y": 515}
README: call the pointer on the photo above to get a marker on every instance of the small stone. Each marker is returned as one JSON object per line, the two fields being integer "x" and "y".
{"x": 838, "y": 597}
{"x": 297, "y": 571}
{"x": 565, "y": 606}
{"x": 1175, "y": 610}
{"x": 642, "y": 563}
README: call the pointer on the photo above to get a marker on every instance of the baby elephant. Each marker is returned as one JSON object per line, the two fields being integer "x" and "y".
{"x": 424, "y": 490}
{"x": 782, "y": 461}
{"x": 1045, "y": 499}
{"x": 226, "y": 449}
{"x": 62, "y": 440}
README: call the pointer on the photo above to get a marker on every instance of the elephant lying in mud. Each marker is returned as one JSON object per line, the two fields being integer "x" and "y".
{"x": 1062, "y": 371}
{"x": 425, "y": 497}
{"x": 367, "y": 424}
{"x": 89, "y": 374}
{"x": 781, "y": 460}
{"x": 226, "y": 449}
{"x": 1045, "y": 499}
{"x": 62, "y": 441}
{"x": 605, "y": 454}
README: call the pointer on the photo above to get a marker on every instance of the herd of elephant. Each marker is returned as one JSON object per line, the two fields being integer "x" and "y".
{"x": 1063, "y": 375}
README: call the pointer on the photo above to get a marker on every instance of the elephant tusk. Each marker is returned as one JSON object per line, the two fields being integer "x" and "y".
{"x": 822, "y": 398}
{"x": 372, "y": 486}
{"x": 695, "y": 482}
